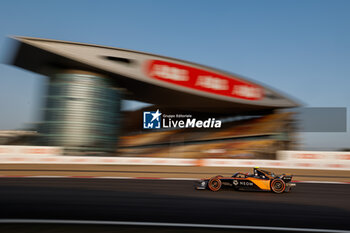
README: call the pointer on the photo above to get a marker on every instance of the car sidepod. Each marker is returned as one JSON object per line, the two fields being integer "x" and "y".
{"x": 250, "y": 184}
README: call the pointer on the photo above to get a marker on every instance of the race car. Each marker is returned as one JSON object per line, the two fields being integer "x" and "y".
{"x": 260, "y": 180}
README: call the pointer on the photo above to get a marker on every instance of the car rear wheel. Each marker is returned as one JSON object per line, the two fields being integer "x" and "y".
{"x": 214, "y": 184}
{"x": 278, "y": 186}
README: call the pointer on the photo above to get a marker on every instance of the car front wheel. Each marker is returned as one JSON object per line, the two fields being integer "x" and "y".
{"x": 278, "y": 186}
{"x": 214, "y": 184}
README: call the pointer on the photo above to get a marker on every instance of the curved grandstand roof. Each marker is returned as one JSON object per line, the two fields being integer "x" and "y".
{"x": 152, "y": 78}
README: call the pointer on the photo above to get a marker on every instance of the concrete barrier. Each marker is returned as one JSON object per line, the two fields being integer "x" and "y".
{"x": 313, "y": 155}
{"x": 287, "y": 159}
{"x": 30, "y": 150}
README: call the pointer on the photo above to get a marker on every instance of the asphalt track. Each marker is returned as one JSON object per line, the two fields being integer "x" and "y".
{"x": 320, "y": 206}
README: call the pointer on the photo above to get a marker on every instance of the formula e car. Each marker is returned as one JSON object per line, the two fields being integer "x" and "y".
{"x": 259, "y": 180}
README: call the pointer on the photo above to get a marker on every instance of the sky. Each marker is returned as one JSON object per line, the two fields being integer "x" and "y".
{"x": 301, "y": 48}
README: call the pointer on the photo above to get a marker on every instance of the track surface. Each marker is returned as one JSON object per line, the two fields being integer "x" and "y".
{"x": 322, "y": 206}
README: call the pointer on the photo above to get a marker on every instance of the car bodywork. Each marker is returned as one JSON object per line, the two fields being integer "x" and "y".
{"x": 260, "y": 180}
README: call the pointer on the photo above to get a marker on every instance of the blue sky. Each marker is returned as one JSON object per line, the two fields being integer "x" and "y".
{"x": 299, "y": 47}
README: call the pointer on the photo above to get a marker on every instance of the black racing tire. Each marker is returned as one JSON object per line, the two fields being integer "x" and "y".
{"x": 214, "y": 184}
{"x": 278, "y": 185}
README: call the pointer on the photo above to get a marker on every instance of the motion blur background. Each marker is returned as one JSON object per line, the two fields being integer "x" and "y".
{"x": 299, "y": 48}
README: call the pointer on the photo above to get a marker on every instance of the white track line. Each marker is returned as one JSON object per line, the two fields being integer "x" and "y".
{"x": 165, "y": 224}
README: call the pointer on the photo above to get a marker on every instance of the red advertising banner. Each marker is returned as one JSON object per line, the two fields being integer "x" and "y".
{"x": 203, "y": 80}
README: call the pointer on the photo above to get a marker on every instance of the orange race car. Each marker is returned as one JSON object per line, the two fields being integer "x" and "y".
{"x": 259, "y": 180}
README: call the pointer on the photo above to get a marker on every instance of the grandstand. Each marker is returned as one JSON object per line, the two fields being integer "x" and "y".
{"x": 257, "y": 138}
{"x": 87, "y": 84}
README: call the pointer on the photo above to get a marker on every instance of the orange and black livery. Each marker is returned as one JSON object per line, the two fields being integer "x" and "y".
{"x": 260, "y": 180}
